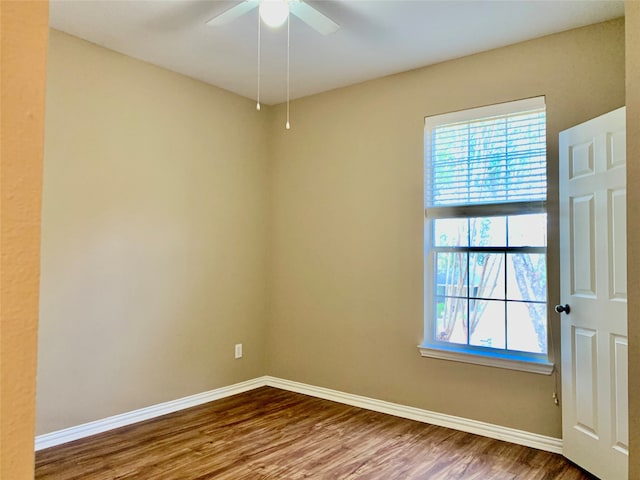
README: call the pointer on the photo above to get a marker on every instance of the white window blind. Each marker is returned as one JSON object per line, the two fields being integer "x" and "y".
{"x": 500, "y": 158}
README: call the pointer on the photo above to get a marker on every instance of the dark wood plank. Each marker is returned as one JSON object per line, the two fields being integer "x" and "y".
{"x": 277, "y": 435}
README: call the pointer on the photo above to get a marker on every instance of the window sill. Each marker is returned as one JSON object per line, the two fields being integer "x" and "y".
{"x": 512, "y": 362}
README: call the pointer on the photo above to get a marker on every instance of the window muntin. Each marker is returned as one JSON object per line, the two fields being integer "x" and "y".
{"x": 485, "y": 230}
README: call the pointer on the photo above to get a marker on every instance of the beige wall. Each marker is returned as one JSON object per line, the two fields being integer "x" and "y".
{"x": 153, "y": 228}
{"x": 632, "y": 18}
{"x": 346, "y": 273}
{"x": 23, "y": 47}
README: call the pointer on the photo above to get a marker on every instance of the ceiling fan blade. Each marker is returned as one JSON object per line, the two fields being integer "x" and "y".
{"x": 233, "y": 13}
{"x": 312, "y": 17}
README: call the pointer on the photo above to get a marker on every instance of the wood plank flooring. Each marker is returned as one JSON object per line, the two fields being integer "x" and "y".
{"x": 273, "y": 434}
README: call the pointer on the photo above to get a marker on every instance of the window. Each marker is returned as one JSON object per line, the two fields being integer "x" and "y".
{"x": 485, "y": 236}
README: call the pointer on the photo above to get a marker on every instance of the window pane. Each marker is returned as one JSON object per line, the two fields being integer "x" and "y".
{"x": 527, "y": 327}
{"x": 528, "y": 230}
{"x": 450, "y": 314}
{"x": 486, "y": 276}
{"x": 450, "y": 171}
{"x": 493, "y": 159}
{"x": 527, "y": 150}
{"x": 488, "y": 160}
{"x": 486, "y": 323}
{"x": 451, "y": 232}
{"x": 488, "y": 231}
{"x": 451, "y": 274}
{"x": 527, "y": 276}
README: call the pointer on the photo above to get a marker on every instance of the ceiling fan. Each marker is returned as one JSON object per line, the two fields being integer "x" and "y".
{"x": 275, "y": 12}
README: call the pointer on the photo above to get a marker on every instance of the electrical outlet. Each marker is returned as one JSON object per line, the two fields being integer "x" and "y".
{"x": 238, "y": 350}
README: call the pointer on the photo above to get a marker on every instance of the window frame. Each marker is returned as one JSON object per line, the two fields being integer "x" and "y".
{"x": 510, "y": 359}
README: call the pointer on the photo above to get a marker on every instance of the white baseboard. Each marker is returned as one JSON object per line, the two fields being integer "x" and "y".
{"x": 520, "y": 437}
{"x": 92, "y": 428}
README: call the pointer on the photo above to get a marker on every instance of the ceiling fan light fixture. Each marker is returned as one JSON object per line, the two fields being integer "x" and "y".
{"x": 274, "y": 12}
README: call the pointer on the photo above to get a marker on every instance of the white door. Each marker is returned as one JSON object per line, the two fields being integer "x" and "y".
{"x": 593, "y": 258}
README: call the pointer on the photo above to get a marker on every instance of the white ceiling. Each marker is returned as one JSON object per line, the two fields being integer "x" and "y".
{"x": 376, "y": 38}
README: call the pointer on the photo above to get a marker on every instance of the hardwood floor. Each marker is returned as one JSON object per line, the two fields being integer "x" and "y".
{"x": 273, "y": 434}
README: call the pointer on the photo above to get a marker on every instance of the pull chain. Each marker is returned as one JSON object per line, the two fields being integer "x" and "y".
{"x": 288, "y": 125}
{"x": 259, "y": 53}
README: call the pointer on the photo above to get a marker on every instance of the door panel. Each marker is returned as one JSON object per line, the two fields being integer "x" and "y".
{"x": 617, "y": 151}
{"x": 581, "y": 160}
{"x": 583, "y": 279}
{"x": 586, "y": 382}
{"x": 620, "y": 393}
{"x": 618, "y": 242}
